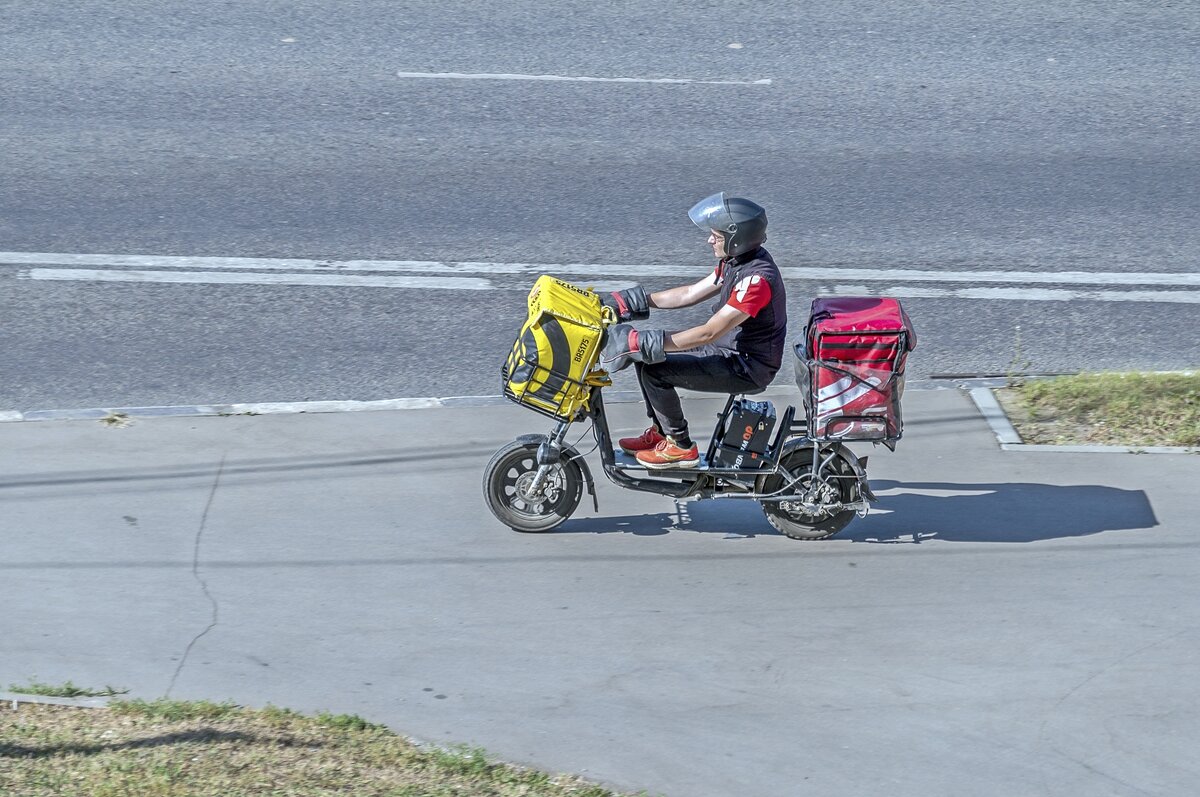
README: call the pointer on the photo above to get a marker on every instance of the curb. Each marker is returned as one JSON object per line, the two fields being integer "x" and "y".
{"x": 299, "y": 407}
{"x": 984, "y": 398}
{"x": 1010, "y": 440}
{"x": 16, "y": 698}
{"x": 266, "y": 408}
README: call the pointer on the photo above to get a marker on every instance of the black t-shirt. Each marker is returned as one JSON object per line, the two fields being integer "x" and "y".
{"x": 751, "y": 282}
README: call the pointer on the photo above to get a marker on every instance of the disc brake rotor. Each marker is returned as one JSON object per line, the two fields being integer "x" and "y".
{"x": 815, "y": 502}
{"x": 536, "y": 501}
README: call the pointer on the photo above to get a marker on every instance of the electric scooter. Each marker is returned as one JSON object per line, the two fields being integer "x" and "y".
{"x": 810, "y": 486}
{"x": 808, "y": 490}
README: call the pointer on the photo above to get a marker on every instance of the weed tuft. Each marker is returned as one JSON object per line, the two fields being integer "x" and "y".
{"x": 174, "y": 710}
{"x": 462, "y": 760}
{"x": 1018, "y": 367}
{"x": 349, "y": 722}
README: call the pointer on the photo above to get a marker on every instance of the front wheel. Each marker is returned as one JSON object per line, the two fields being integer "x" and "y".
{"x": 813, "y": 513}
{"x": 508, "y": 486}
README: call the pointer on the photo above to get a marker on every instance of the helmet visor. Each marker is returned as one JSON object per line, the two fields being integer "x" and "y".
{"x": 712, "y": 213}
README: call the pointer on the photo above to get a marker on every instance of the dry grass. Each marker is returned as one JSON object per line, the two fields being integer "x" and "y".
{"x": 1131, "y": 409}
{"x": 181, "y": 749}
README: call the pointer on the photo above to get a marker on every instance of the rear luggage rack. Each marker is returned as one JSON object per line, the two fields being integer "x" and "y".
{"x": 850, "y": 369}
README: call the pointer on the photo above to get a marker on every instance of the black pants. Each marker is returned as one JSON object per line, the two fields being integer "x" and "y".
{"x": 713, "y": 373}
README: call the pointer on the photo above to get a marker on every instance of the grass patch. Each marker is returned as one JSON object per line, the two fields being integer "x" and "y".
{"x": 67, "y": 689}
{"x": 164, "y": 710}
{"x": 167, "y": 748}
{"x": 1130, "y": 409}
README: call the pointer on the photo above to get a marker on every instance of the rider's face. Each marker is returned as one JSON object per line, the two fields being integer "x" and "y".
{"x": 717, "y": 241}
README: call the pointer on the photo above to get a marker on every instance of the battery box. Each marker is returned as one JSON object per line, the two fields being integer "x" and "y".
{"x": 744, "y": 436}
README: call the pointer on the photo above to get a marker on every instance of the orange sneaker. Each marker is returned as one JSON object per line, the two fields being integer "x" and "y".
{"x": 668, "y": 455}
{"x": 648, "y": 440}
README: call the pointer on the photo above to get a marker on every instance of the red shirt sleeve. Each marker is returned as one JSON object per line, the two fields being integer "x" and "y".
{"x": 751, "y": 294}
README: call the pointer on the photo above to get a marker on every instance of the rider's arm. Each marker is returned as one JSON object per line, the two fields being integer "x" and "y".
{"x": 685, "y": 295}
{"x": 721, "y": 324}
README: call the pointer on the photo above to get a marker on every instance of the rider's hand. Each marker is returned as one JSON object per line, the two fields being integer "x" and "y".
{"x": 631, "y": 304}
{"x": 624, "y": 345}
{"x": 620, "y": 341}
{"x": 652, "y": 345}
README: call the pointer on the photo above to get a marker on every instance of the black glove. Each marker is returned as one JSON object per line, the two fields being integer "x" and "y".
{"x": 631, "y": 304}
{"x": 624, "y": 345}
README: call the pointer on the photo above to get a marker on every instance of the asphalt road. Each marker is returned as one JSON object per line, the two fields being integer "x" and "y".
{"x": 955, "y": 137}
{"x": 1048, "y": 138}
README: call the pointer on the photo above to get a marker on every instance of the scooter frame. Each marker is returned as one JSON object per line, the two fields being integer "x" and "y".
{"x": 705, "y": 480}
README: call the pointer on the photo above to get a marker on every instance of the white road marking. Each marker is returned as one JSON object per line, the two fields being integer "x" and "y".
{"x": 577, "y": 78}
{"x": 1022, "y": 277}
{"x": 473, "y": 275}
{"x": 686, "y": 270}
{"x": 246, "y": 278}
{"x": 1014, "y": 294}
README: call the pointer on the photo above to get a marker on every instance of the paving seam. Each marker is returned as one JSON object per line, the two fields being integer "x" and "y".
{"x": 16, "y": 698}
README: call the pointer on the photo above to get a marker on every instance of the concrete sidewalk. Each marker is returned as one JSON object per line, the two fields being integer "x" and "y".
{"x": 1006, "y": 622}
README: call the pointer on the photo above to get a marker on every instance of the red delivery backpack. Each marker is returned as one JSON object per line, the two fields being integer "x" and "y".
{"x": 850, "y": 368}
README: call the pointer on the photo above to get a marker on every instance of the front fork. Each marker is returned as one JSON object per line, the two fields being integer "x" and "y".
{"x": 548, "y": 454}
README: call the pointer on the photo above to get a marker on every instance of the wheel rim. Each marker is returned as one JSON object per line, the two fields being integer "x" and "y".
{"x": 516, "y": 478}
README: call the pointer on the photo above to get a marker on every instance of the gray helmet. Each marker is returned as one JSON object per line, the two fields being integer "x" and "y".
{"x": 742, "y": 222}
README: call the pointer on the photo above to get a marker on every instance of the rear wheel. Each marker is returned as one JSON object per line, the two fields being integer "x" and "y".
{"x": 508, "y": 486}
{"x": 812, "y": 510}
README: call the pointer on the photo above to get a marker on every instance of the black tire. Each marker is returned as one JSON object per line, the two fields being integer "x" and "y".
{"x": 799, "y": 523}
{"x": 511, "y": 470}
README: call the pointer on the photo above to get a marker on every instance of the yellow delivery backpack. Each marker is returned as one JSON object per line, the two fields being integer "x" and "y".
{"x": 550, "y": 363}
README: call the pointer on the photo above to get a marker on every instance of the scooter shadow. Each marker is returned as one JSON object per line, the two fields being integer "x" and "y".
{"x": 915, "y": 512}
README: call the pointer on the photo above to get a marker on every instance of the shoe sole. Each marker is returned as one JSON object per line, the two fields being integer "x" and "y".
{"x": 682, "y": 463}
{"x": 633, "y": 452}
